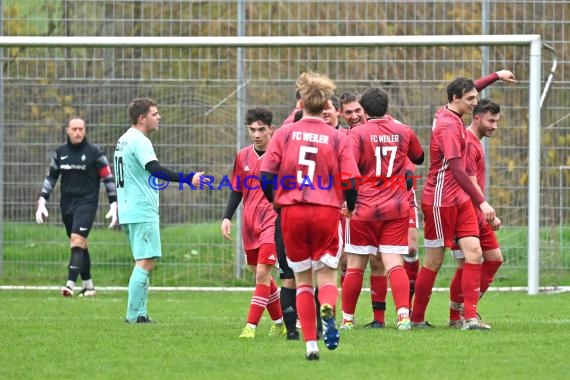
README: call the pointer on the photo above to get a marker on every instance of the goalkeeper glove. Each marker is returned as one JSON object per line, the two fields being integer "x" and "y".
{"x": 41, "y": 211}
{"x": 112, "y": 214}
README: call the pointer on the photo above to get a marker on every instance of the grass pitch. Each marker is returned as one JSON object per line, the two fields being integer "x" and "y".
{"x": 197, "y": 255}
{"x": 46, "y": 336}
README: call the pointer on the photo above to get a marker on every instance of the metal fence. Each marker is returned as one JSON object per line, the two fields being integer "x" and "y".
{"x": 198, "y": 101}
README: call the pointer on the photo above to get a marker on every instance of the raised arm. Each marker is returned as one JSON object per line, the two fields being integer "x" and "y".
{"x": 505, "y": 75}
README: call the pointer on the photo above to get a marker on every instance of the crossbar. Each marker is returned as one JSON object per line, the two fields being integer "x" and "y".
{"x": 281, "y": 41}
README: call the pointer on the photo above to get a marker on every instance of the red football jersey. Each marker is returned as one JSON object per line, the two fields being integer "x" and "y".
{"x": 475, "y": 166}
{"x": 381, "y": 149}
{"x": 409, "y": 165}
{"x": 447, "y": 142}
{"x": 475, "y": 158}
{"x": 308, "y": 158}
{"x": 258, "y": 216}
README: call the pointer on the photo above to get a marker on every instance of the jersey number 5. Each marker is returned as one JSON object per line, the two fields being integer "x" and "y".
{"x": 310, "y": 164}
{"x": 120, "y": 179}
{"x": 382, "y": 151}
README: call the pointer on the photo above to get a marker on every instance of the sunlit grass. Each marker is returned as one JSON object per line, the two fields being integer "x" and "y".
{"x": 46, "y": 337}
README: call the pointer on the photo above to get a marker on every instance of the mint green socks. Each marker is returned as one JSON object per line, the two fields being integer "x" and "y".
{"x": 138, "y": 294}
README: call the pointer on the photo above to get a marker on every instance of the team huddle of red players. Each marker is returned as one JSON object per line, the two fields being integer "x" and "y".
{"x": 315, "y": 232}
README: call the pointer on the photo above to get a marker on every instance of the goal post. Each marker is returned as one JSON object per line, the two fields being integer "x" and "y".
{"x": 532, "y": 41}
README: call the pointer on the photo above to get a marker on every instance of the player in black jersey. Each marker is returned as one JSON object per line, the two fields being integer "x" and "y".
{"x": 82, "y": 166}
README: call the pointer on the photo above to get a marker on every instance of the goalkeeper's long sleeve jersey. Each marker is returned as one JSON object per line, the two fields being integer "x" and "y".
{"x": 82, "y": 167}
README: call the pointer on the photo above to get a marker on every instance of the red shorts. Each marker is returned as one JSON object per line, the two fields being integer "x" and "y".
{"x": 442, "y": 225}
{"x": 413, "y": 223}
{"x": 266, "y": 254}
{"x": 487, "y": 239}
{"x": 365, "y": 237}
{"x": 311, "y": 234}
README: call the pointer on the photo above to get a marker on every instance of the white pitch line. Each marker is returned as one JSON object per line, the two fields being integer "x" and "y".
{"x": 544, "y": 289}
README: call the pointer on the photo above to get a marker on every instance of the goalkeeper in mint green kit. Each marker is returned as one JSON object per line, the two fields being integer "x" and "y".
{"x": 137, "y": 170}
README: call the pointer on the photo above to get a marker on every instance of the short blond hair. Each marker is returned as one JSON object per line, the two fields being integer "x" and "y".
{"x": 316, "y": 90}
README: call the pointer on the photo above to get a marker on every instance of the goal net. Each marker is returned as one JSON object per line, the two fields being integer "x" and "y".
{"x": 203, "y": 87}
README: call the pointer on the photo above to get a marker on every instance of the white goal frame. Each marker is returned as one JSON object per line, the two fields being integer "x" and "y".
{"x": 534, "y": 112}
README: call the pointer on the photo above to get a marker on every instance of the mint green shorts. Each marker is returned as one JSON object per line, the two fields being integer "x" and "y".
{"x": 144, "y": 239}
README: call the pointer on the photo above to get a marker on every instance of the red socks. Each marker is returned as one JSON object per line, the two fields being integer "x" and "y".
{"x": 455, "y": 295}
{"x": 412, "y": 269}
{"x": 258, "y": 303}
{"x": 351, "y": 287}
{"x": 328, "y": 294}
{"x": 306, "y": 311}
{"x": 400, "y": 285}
{"x": 378, "y": 291}
{"x": 488, "y": 271}
{"x": 424, "y": 285}
{"x": 470, "y": 284}
{"x": 274, "y": 302}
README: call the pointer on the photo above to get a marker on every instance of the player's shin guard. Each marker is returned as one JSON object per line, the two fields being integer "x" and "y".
{"x": 328, "y": 294}
{"x": 470, "y": 284}
{"x": 143, "y": 310}
{"x": 455, "y": 296}
{"x": 488, "y": 271}
{"x": 138, "y": 294}
{"x": 318, "y": 311}
{"x": 424, "y": 286}
{"x": 412, "y": 266}
{"x": 400, "y": 285}
{"x": 76, "y": 263}
{"x": 289, "y": 307}
{"x": 378, "y": 291}
{"x": 274, "y": 302}
{"x": 258, "y": 303}
{"x": 351, "y": 287}
{"x": 306, "y": 311}
{"x": 85, "y": 271}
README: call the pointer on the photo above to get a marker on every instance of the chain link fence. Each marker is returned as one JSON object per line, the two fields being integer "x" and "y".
{"x": 199, "y": 104}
